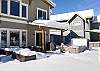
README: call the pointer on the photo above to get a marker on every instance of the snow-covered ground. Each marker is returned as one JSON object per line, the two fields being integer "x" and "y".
{"x": 86, "y": 61}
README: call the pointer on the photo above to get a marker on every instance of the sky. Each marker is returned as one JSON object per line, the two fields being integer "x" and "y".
{"x": 64, "y": 6}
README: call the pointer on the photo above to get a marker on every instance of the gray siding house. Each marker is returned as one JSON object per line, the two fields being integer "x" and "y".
{"x": 15, "y": 30}
{"x": 77, "y": 23}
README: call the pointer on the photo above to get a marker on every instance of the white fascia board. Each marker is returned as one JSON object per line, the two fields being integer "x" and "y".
{"x": 52, "y": 3}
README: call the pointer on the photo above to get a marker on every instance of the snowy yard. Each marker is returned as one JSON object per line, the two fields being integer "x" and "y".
{"x": 86, "y": 61}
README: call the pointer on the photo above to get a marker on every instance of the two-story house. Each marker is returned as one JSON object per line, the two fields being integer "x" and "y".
{"x": 76, "y": 22}
{"x": 15, "y": 18}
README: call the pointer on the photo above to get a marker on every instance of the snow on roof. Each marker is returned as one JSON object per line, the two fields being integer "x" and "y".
{"x": 66, "y": 16}
{"x": 49, "y": 23}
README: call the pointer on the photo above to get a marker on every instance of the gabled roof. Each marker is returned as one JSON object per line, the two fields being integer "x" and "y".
{"x": 67, "y": 16}
{"x": 76, "y": 15}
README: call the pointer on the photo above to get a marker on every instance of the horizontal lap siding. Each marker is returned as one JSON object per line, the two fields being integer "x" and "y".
{"x": 33, "y": 9}
{"x": 30, "y": 30}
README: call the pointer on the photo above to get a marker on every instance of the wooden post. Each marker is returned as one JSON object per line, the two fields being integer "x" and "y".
{"x": 43, "y": 40}
{"x": 61, "y": 36}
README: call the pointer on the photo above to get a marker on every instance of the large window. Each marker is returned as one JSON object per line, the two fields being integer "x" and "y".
{"x": 41, "y": 14}
{"x": 14, "y": 38}
{"x": 3, "y": 38}
{"x": 15, "y": 8}
{"x": 4, "y": 6}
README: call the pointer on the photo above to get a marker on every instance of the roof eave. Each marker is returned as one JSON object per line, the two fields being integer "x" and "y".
{"x": 52, "y": 4}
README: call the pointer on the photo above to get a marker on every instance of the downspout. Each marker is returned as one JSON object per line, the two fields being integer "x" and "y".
{"x": 84, "y": 27}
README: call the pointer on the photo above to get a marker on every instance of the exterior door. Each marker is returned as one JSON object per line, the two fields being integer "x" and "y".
{"x": 38, "y": 39}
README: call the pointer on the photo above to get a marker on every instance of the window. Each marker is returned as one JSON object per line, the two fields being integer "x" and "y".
{"x": 15, "y": 8}
{"x": 14, "y": 38}
{"x": 24, "y": 11}
{"x": 41, "y": 14}
{"x": 4, "y": 6}
{"x": 23, "y": 39}
{"x": 3, "y": 38}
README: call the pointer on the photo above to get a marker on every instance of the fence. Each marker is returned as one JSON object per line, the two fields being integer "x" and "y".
{"x": 94, "y": 44}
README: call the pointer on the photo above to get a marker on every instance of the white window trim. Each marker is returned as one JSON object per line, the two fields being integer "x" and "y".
{"x": 41, "y": 10}
{"x": 20, "y": 15}
{"x": 0, "y": 7}
{"x": 8, "y": 36}
{"x": 26, "y": 10}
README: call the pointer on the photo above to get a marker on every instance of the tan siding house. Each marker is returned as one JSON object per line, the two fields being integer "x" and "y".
{"x": 15, "y": 30}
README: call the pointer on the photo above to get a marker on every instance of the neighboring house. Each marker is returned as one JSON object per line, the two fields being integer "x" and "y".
{"x": 77, "y": 23}
{"x": 15, "y": 18}
{"x": 95, "y": 29}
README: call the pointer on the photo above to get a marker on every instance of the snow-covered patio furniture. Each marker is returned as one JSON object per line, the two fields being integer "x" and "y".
{"x": 20, "y": 53}
{"x": 25, "y": 55}
{"x": 23, "y": 58}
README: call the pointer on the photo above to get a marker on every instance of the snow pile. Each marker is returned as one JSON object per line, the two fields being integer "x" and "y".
{"x": 88, "y": 55}
{"x": 40, "y": 55}
{"x": 99, "y": 54}
{"x": 79, "y": 42}
{"x": 57, "y": 51}
{"x": 7, "y": 49}
{"x": 12, "y": 49}
{"x": 16, "y": 49}
{"x": 26, "y": 52}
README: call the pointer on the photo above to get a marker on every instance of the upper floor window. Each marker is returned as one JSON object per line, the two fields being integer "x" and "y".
{"x": 24, "y": 10}
{"x": 4, "y": 6}
{"x": 15, "y": 7}
{"x": 41, "y": 14}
